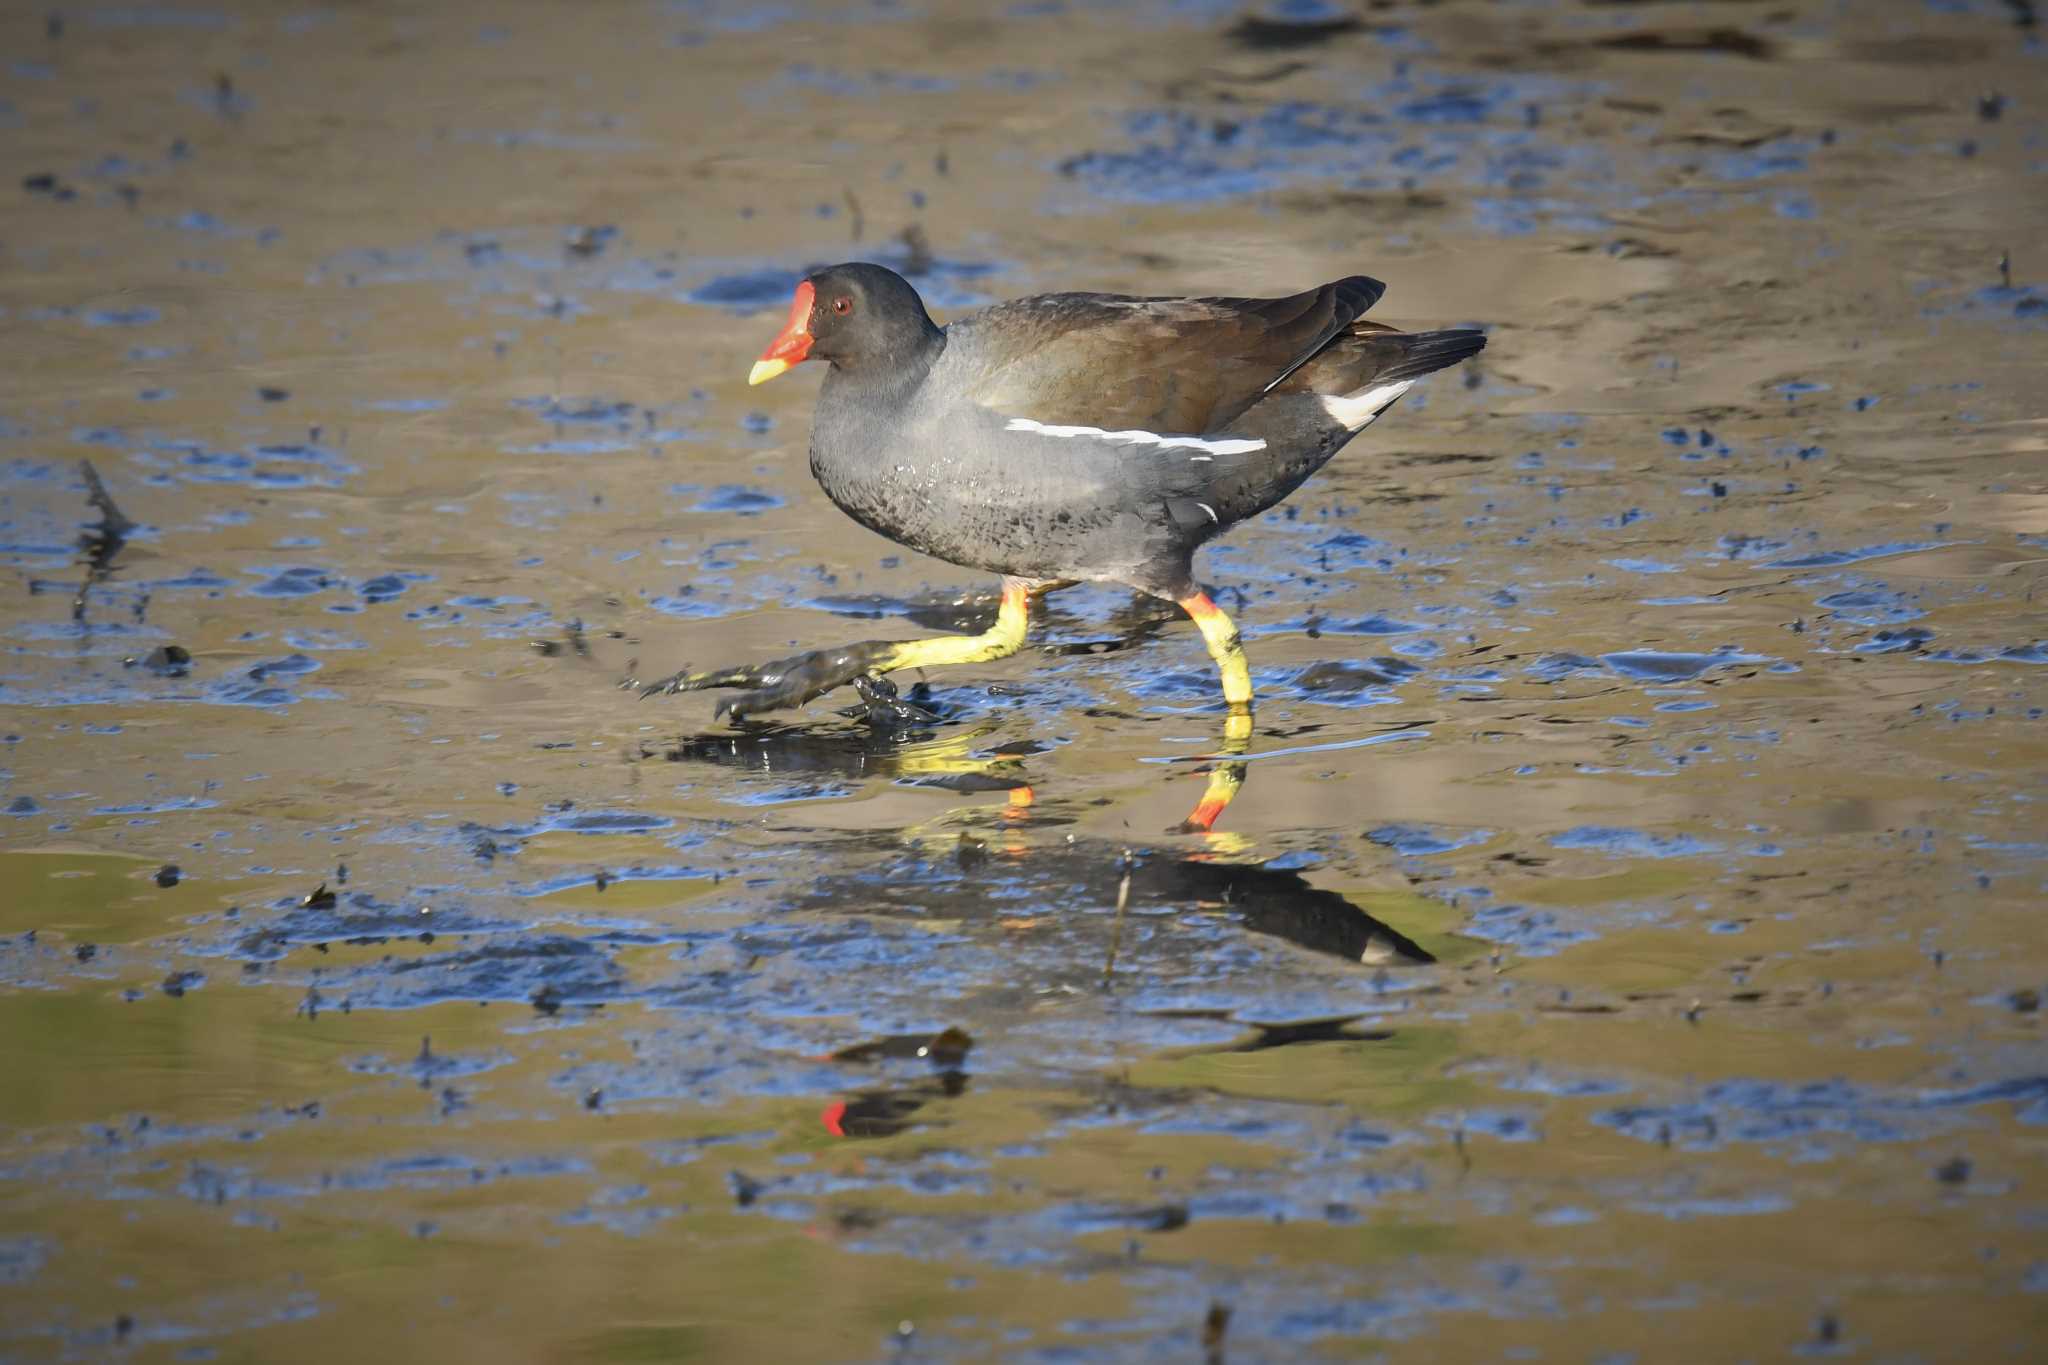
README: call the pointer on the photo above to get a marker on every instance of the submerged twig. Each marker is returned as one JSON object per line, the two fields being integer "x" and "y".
{"x": 101, "y": 542}
{"x": 1116, "y": 927}
{"x": 1215, "y": 1326}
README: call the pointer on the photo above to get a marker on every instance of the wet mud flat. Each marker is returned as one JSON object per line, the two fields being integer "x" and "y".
{"x": 1627, "y": 930}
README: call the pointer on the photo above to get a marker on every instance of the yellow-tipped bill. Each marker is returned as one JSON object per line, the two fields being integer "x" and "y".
{"x": 793, "y": 343}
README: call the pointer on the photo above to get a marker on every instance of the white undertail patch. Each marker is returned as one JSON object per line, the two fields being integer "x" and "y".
{"x": 1226, "y": 446}
{"x": 1356, "y": 410}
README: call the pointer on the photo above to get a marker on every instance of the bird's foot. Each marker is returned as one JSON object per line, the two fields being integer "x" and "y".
{"x": 883, "y": 709}
{"x": 778, "y": 683}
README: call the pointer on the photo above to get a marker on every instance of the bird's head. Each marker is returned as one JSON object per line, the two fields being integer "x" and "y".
{"x": 854, "y": 315}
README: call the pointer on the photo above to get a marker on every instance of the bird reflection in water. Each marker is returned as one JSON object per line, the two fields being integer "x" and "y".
{"x": 910, "y": 738}
{"x": 933, "y": 754}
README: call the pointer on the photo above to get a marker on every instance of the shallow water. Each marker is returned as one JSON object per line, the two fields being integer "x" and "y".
{"x": 1628, "y": 930}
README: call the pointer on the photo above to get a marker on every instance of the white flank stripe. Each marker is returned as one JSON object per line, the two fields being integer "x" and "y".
{"x": 1356, "y": 411}
{"x": 1141, "y": 438}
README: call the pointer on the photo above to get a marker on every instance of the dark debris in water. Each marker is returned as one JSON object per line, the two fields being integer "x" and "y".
{"x": 1291, "y": 27}
{"x": 166, "y": 661}
{"x": 177, "y": 983}
{"x": 1718, "y": 38}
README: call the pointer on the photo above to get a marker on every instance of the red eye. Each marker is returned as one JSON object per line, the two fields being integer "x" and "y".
{"x": 842, "y": 304}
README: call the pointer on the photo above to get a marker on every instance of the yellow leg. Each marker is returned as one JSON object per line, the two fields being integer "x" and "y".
{"x": 999, "y": 641}
{"x": 797, "y": 679}
{"x": 1226, "y": 779}
{"x": 1224, "y": 647}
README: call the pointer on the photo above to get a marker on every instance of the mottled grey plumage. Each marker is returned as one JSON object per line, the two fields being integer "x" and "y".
{"x": 1092, "y": 436}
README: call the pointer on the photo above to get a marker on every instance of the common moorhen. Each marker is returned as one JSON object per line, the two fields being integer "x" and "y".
{"x": 1068, "y": 438}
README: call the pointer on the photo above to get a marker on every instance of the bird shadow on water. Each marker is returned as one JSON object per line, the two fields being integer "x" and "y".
{"x": 975, "y": 884}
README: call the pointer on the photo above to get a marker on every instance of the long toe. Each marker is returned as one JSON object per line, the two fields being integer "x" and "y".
{"x": 795, "y": 680}
{"x": 686, "y": 681}
{"x": 777, "y": 690}
{"x": 776, "y": 683}
{"x": 672, "y": 684}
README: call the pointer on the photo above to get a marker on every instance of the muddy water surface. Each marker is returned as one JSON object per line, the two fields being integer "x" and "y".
{"x": 1626, "y": 943}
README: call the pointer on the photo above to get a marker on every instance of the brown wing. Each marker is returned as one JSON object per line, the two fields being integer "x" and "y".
{"x": 1164, "y": 365}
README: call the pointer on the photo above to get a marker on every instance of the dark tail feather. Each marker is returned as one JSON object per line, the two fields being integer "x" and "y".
{"x": 1340, "y": 302}
{"x": 1356, "y": 294}
{"x": 1425, "y": 352}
